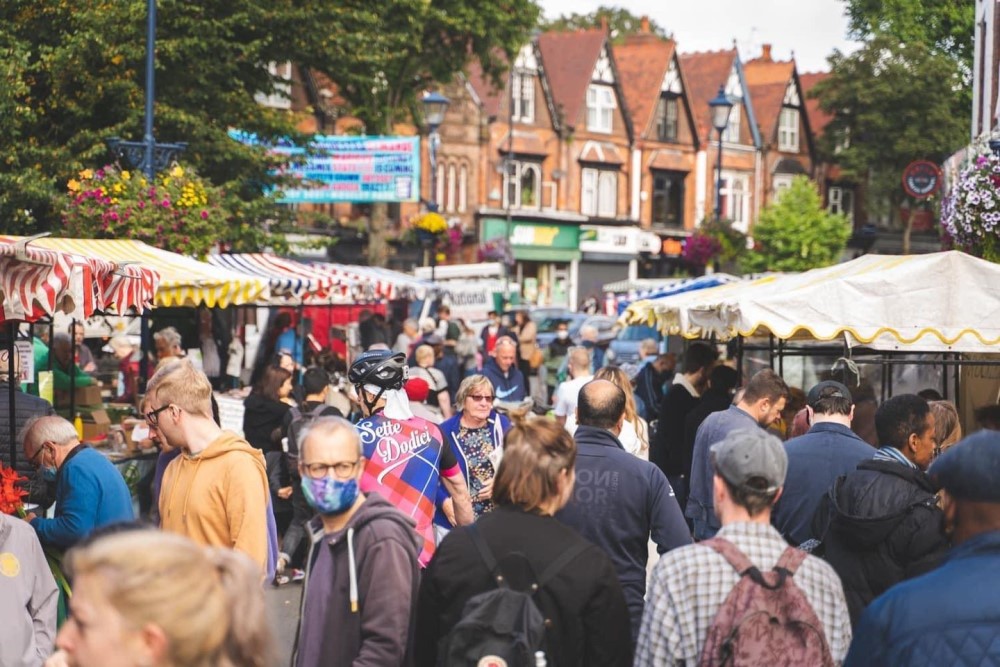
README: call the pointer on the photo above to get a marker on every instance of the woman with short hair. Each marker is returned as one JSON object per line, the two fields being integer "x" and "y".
{"x": 586, "y": 620}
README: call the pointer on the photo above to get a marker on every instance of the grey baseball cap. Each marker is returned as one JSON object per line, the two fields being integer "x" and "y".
{"x": 748, "y": 453}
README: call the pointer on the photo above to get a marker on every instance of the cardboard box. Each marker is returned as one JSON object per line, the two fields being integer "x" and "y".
{"x": 95, "y": 425}
{"x": 83, "y": 396}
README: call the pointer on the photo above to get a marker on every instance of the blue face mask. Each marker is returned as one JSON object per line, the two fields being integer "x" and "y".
{"x": 49, "y": 473}
{"x": 328, "y": 495}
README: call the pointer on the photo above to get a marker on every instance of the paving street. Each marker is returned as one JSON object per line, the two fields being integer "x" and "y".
{"x": 283, "y": 609}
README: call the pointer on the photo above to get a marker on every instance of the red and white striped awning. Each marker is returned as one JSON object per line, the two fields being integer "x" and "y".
{"x": 290, "y": 281}
{"x": 36, "y": 282}
{"x": 382, "y": 283}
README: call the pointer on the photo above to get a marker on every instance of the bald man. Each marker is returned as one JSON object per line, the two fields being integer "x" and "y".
{"x": 567, "y": 393}
{"x": 619, "y": 501}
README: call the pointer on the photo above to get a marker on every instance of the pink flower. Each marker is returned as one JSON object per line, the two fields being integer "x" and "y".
{"x": 141, "y": 205}
{"x": 204, "y": 215}
{"x": 165, "y": 203}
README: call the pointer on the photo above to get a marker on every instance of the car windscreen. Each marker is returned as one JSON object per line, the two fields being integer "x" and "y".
{"x": 550, "y": 324}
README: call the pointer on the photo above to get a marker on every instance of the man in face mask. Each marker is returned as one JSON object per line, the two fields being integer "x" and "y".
{"x": 90, "y": 492}
{"x": 361, "y": 544}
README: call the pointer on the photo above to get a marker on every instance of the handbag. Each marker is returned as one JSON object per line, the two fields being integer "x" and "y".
{"x": 537, "y": 358}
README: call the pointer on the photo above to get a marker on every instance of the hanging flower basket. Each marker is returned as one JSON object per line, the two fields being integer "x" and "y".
{"x": 970, "y": 213}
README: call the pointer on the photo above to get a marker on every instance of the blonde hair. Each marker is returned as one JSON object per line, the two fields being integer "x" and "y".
{"x": 534, "y": 455}
{"x": 619, "y": 378}
{"x": 207, "y": 601}
{"x": 180, "y": 383}
{"x": 469, "y": 385}
{"x": 947, "y": 429}
{"x": 424, "y": 353}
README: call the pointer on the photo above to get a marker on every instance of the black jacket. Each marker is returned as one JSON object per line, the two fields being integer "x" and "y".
{"x": 667, "y": 449}
{"x": 263, "y": 419}
{"x": 713, "y": 400}
{"x": 584, "y": 602}
{"x": 879, "y": 525}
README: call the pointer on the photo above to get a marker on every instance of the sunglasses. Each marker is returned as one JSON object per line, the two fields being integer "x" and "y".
{"x": 479, "y": 398}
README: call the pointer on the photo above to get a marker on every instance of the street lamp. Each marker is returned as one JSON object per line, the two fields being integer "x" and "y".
{"x": 147, "y": 155}
{"x": 721, "y": 107}
{"x": 435, "y": 106}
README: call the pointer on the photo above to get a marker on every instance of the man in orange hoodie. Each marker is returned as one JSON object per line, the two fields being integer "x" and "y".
{"x": 216, "y": 491}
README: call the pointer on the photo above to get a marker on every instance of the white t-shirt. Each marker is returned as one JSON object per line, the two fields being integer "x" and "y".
{"x": 568, "y": 394}
{"x": 634, "y": 443}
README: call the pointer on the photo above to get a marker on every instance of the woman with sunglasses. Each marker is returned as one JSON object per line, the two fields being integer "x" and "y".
{"x": 475, "y": 433}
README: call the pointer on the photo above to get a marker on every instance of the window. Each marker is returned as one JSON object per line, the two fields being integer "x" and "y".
{"x": 439, "y": 187}
{"x": 736, "y": 199}
{"x": 599, "y": 194}
{"x": 524, "y": 97}
{"x": 841, "y": 200}
{"x": 452, "y": 187}
{"x": 668, "y": 199}
{"x": 522, "y": 184}
{"x": 780, "y": 183}
{"x": 788, "y": 130}
{"x": 281, "y": 81}
{"x": 600, "y": 108}
{"x": 463, "y": 189}
{"x": 666, "y": 118}
{"x": 731, "y": 134}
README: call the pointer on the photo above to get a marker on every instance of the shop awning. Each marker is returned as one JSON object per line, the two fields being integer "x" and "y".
{"x": 290, "y": 281}
{"x": 379, "y": 283}
{"x": 36, "y": 281}
{"x": 183, "y": 281}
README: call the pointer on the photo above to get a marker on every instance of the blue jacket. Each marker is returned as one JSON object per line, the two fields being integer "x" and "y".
{"x": 620, "y": 502}
{"x": 509, "y": 387}
{"x": 90, "y": 493}
{"x": 449, "y": 431}
{"x": 949, "y": 616}
{"x": 815, "y": 460}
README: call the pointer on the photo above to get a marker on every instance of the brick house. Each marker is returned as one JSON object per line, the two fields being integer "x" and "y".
{"x": 787, "y": 140}
{"x": 740, "y": 194}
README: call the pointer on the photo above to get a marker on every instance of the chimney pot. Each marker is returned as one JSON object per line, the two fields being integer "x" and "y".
{"x": 644, "y": 25}
{"x": 766, "y": 52}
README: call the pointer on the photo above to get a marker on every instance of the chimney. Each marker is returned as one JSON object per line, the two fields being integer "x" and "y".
{"x": 765, "y": 53}
{"x": 644, "y": 25}
{"x": 604, "y": 23}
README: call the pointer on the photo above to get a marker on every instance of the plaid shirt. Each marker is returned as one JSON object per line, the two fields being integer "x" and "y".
{"x": 689, "y": 585}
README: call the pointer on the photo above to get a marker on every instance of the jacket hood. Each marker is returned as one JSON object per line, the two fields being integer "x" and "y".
{"x": 866, "y": 507}
{"x": 229, "y": 442}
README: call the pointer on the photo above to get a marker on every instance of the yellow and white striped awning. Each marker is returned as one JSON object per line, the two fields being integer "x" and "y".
{"x": 183, "y": 281}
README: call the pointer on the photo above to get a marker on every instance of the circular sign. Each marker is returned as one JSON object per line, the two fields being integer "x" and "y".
{"x": 921, "y": 179}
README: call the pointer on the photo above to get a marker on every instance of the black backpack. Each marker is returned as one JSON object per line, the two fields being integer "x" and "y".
{"x": 299, "y": 421}
{"x": 503, "y": 624}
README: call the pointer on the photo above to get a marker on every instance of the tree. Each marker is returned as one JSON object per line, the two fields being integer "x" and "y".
{"x": 621, "y": 22}
{"x": 892, "y": 103}
{"x": 394, "y": 50}
{"x": 796, "y": 233}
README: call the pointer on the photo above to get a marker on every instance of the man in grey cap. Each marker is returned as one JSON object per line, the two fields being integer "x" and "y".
{"x": 817, "y": 458}
{"x": 950, "y": 615}
{"x": 690, "y": 584}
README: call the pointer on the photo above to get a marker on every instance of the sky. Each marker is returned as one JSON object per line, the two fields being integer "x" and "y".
{"x": 811, "y": 29}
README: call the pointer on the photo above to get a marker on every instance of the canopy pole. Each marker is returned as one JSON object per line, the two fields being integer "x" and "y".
{"x": 72, "y": 372}
{"x": 11, "y": 396}
{"x": 144, "y": 351}
{"x": 958, "y": 375}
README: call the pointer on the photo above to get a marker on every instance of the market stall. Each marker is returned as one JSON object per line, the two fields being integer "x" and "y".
{"x": 291, "y": 282}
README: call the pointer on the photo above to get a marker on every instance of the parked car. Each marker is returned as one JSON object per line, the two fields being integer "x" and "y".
{"x": 607, "y": 327}
{"x": 624, "y": 349}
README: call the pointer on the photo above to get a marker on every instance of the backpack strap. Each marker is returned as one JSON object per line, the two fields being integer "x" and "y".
{"x": 317, "y": 411}
{"x": 296, "y": 413}
{"x": 559, "y": 563}
{"x": 731, "y": 553}
{"x": 489, "y": 560}
{"x": 791, "y": 560}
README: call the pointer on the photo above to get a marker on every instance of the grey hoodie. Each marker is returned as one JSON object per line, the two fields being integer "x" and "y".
{"x": 359, "y": 602}
{"x": 28, "y": 597}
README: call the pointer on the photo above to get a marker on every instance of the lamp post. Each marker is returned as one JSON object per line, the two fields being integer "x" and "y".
{"x": 721, "y": 106}
{"x": 147, "y": 155}
{"x": 435, "y": 106}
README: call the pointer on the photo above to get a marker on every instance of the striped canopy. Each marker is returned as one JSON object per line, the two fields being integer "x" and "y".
{"x": 290, "y": 281}
{"x": 183, "y": 281}
{"x": 36, "y": 282}
{"x": 382, "y": 283}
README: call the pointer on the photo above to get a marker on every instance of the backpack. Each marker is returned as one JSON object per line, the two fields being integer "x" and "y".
{"x": 501, "y": 626}
{"x": 766, "y": 619}
{"x": 299, "y": 421}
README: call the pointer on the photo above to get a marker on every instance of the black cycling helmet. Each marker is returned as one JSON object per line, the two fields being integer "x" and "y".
{"x": 380, "y": 368}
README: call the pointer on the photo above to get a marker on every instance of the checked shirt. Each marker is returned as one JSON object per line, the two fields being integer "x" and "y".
{"x": 690, "y": 583}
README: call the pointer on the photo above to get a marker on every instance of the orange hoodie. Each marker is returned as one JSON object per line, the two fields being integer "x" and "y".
{"x": 219, "y": 497}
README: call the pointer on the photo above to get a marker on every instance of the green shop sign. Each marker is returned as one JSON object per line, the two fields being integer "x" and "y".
{"x": 536, "y": 241}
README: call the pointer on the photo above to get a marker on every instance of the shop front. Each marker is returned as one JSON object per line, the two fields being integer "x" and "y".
{"x": 546, "y": 258}
{"x": 610, "y": 254}
{"x": 667, "y": 261}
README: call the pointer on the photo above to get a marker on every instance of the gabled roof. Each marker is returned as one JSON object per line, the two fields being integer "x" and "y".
{"x": 642, "y": 61}
{"x": 768, "y": 80}
{"x": 489, "y": 95}
{"x": 704, "y": 72}
{"x": 569, "y": 59}
{"x": 818, "y": 119}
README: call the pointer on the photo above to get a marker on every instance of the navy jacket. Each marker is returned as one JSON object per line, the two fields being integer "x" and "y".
{"x": 815, "y": 460}
{"x": 619, "y": 502}
{"x": 949, "y": 616}
{"x": 509, "y": 387}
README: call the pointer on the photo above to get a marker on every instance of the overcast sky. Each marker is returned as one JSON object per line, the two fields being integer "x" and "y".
{"x": 809, "y": 28}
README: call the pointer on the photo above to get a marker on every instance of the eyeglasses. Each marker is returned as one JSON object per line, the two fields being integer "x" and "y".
{"x": 33, "y": 461}
{"x": 479, "y": 398}
{"x": 342, "y": 470}
{"x": 153, "y": 417}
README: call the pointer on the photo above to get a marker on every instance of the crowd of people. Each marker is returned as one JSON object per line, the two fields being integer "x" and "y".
{"x": 436, "y": 526}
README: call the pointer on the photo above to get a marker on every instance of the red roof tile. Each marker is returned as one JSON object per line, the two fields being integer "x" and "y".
{"x": 642, "y": 62}
{"x": 488, "y": 94}
{"x": 703, "y": 73}
{"x": 818, "y": 119}
{"x": 768, "y": 80}
{"x": 569, "y": 59}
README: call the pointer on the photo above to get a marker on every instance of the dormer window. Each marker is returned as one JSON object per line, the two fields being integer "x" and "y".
{"x": 788, "y": 130}
{"x": 600, "y": 108}
{"x": 666, "y": 117}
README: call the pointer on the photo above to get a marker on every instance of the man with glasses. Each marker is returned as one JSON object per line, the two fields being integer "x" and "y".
{"x": 90, "y": 492}
{"x": 215, "y": 491}
{"x": 362, "y": 572}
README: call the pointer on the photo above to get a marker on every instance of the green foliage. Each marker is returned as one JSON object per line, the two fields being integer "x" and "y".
{"x": 621, "y": 22}
{"x": 732, "y": 242}
{"x": 796, "y": 233}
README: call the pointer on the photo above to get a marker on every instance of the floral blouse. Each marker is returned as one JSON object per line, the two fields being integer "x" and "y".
{"x": 477, "y": 444}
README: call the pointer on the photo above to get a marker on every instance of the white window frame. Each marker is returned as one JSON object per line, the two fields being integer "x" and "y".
{"x": 281, "y": 95}
{"x": 788, "y": 130}
{"x": 736, "y": 198}
{"x": 780, "y": 183}
{"x": 664, "y": 105}
{"x": 452, "y": 189}
{"x": 731, "y": 135}
{"x": 841, "y": 200}
{"x": 439, "y": 186}
{"x": 524, "y": 96}
{"x": 463, "y": 189}
{"x": 599, "y": 192}
{"x": 517, "y": 170}
{"x": 600, "y": 108}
